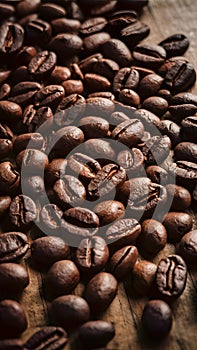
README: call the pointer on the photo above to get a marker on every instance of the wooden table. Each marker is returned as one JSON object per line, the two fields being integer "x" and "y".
{"x": 165, "y": 17}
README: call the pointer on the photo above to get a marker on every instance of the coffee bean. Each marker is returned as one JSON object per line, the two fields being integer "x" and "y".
{"x": 60, "y": 74}
{"x": 4, "y": 204}
{"x": 84, "y": 167}
{"x": 121, "y": 19}
{"x": 99, "y": 106}
{"x": 70, "y": 311}
{"x": 172, "y": 130}
{"x": 49, "y": 96}
{"x": 93, "y": 42}
{"x": 93, "y": 127}
{"x": 179, "y": 197}
{"x": 165, "y": 94}
{"x": 92, "y": 255}
{"x": 51, "y": 217}
{"x": 69, "y": 191}
{"x": 96, "y": 148}
{"x": 180, "y": 77}
{"x": 157, "y": 149}
{"x": 32, "y": 161}
{"x": 95, "y": 83}
{"x": 126, "y": 78}
{"x": 150, "y": 85}
{"x": 156, "y": 105}
{"x": 100, "y": 291}
{"x": 10, "y": 112}
{"x": 175, "y": 45}
{"x": 81, "y": 217}
{"x": 33, "y": 186}
{"x": 185, "y": 172}
{"x": 76, "y": 233}
{"x": 116, "y": 50}
{"x": 25, "y": 55}
{"x": 186, "y": 151}
{"x": 23, "y": 93}
{"x": 187, "y": 247}
{"x": 66, "y": 139}
{"x": 4, "y": 91}
{"x": 122, "y": 261}
{"x": 183, "y": 105}
{"x": 132, "y": 161}
{"x": 109, "y": 211}
{"x": 153, "y": 237}
{"x": 21, "y": 141}
{"x": 25, "y": 8}
{"x": 12, "y": 319}
{"x": 177, "y": 225}
{"x": 134, "y": 33}
{"x": 21, "y": 74}
{"x": 6, "y": 11}
{"x": 69, "y": 110}
{"x": 171, "y": 62}
{"x": 150, "y": 56}
{"x": 93, "y": 25}
{"x": 47, "y": 250}
{"x": 148, "y": 119}
{"x": 12, "y": 36}
{"x": 129, "y": 132}
{"x": 9, "y": 178}
{"x": 65, "y": 25}
{"x": 86, "y": 65}
{"x": 38, "y": 32}
{"x": 157, "y": 318}
{"x": 22, "y": 211}
{"x": 171, "y": 277}
{"x": 62, "y": 277}
{"x": 100, "y": 8}
{"x": 55, "y": 170}
{"x": 4, "y": 74}
{"x": 37, "y": 118}
{"x": 129, "y": 97}
{"x": 66, "y": 44}
{"x": 42, "y": 64}
{"x": 72, "y": 87}
{"x": 96, "y": 333}
{"x": 143, "y": 276}
{"x": 189, "y": 127}
{"x": 157, "y": 174}
{"x": 6, "y": 147}
{"x": 123, "y": 232}
{"x": 14, "y": 279}
{"x": 11, "y": 344}
{"x": 105, "y": 67}
{"x": 47, "y": 338}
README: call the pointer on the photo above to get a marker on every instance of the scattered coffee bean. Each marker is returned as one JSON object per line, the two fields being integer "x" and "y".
{"x": 122, "y": 261}
{"x": 47, "y": 338}
{"x": 143, "y": 276}
{"x": 12, "y": 319}
{"x": 187, "y": 247}
{"x": 13, "y": 246}
{"x": 153, "y": 237}
{"x": 96, "y": 333}
{"x": 177, "y": 225}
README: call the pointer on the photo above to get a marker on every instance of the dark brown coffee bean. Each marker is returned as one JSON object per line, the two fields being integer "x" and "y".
{"x": 185, "y": 172}
{"x": 37, "y": 118}
{"x": 32, "y": 161}
{"x": 62, "y": 277}
{"x": 183, "y": 105}
{"x": 157, "y": 149}
{"x": 131, "y": 160}
{"x": 47, "y": 338}
{"x": 12, "y": 319}
{"x": 93, "y": 42}
{"x": 157, "y": 174}
{"x": 21, "y": 74}
{"x": 156, "y": 105}
{"x": 126, "y": 78}
{"x": 42, "y": 64}
{"x": 69, "y": 110}
{"x": 95, "y": 83}
{"x": 72, "y": 87}
{"x": 92, "y": 255}
{"x": 14, "y": 279}
{"x": 143, "y": 276}
{"x": 27, "y": 7}
{"x": 35, "y": 139}
{"x": 66, "y": 44}
{"x": 4, "y": 204}
{"x": 134, "y": 33}
{"x": 179, "y": 197}
{"x": 177, "y": 225}
{"x": 180, "y": 77}
{"x": 100, "y": 8}
{"x": 100, "y": 291}
{"x": 109, "y": 211}
{"x": 65, "y": 25}
{"x": 129, "y": 132}
{"x": 171, "y": 129}
{"x": 25, "y": 55}
{"x": 105, "y": 67}
{"x": 157, "y": 319}
{"x": 96, "y": 333}
{"x": 81, "y": 217}
{"x": 33, "y": 186}
{"x": 171, "y": 277}
{"x": 153, "y": 237}
{"x": 187, "y": 247}
{"x": 50, "y": 96}
{"x": 23, "y": 93}
{"x": 186, "y": 151}
{"x": 6, "y": 11}
{"x": 12, "y": 36}
{"x": 121, "y": 19}
{"x": 99, "y": 149}
{"x": 4, "y": 91}
{"x": 93, "y": 25}
{"x": 55, "y": 170}
{"x": 150, "y": 56}
{"x": 175, "y": 45}
{"x": 10, "y": 112}
{"x": 4, "y": 75}
{"x": 99, "y": 106}
{"x": 13, "y": 246}
{"x": 38, "y": 32}
{"x": 6, "y": 147}
{"x": 189, "y": 128}
{"x": 51, "y": 217}
{"x": 69, "y": 191}
{"x": 116, "y": 50}
{"x": 9, "y": 178}
{"x": 22, "y": 211}
{"x": 86, "y": 65}
{"x": 165, "y": 94}
{"x": 70, "y": 311}
{"x": 123, "y": 232}
{"x": 66, "y": 139}
{"x": 129, "y": 97}
{"x": 150, "y": 85}
{"x": 60, "y": 74}
{"x": 148, "y": 119}
{"x": 122, "y": 261}
{"x": 93, "y": 127}
{"x": 50, "y": 11}
{"x": 84, "y": 167}
{"x": 11, "y": 344}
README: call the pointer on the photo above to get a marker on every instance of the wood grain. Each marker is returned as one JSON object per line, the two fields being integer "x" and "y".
{"x": 165, "y": 17}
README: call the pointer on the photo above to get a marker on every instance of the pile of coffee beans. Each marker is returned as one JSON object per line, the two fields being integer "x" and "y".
{"x": 98, "y": 166}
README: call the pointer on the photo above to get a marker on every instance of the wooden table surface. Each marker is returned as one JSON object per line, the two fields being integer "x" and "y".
{"x": 165, "y": 17}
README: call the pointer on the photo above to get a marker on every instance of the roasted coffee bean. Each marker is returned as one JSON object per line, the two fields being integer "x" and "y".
{"x": 92, "y": 255}
{"x": 4, "y": 91}
{"x": 66, "y": 139}
{"x": 62, "y": 277}
{"x": 122, "y": 261}
{"x": 47, "y": 338}
{"x": 185, "y": 172}
{"x": 156, "y": 105}
{"x": 55, "y": 170}
{"x": 37, "y": 118}
{"x": 74, "y": 11}
{"x": 51, "y": 217}
{"x": 50, "y": 11}
{"x": 76, "y": 233}
{"x": 50, "y": 96}
{"x": 118, "y": 118}
{"x": 186, "y": 151}
{"x": 95, "y": 83}
{"x": 134, "y": 33}
{"x": 189, "y": 128}
{"x": 38, "y": 32}
{"x": 105, "y": 67}
{"x": 99, "y": 106}
{"x": 180, "y": 77}
{"x": 13, "y": 246}
{"x": 109, "y": 211}
{"x": 12, "y": 319}
{"x": 47, "y": 250}
{"x": 179, "y": 197}
{"x": 96, "y": 333}
{"x": 100, "y": 291}
{"x": 23, "y": 21}
{"x": 6, "y": 147}
{"x": 12, "y": 36}
{"x": 11, "y": 344}
{"x": 69, "y": 110}
{"x": 65, "y": 25}
{"x": 93, "y": 127}
{"x": 9, "y": 178}
{"x": 150, "y": 85}
{"x": 106, "y": 180}
{"x": 131, "y": 160}
{"x": 177, "y": 225}
{"x": 129, "y": 97}
{"x": 70, "y": 311}
{"x": 25, "y": 8}
{"x": 66, "y": 44}
{"x": 172, "y": 130}
{"x": 175, "y": 45}
{"x": 183, "y": 105}
{"x": 157, "y": 174}
{"x": 171, "y": 277}
{"x": 69, "y": 191}
{"x": 99, "y": 149}
{"x": 42, "y": 64}
{"x": 121, "y": 19}
{"x": 93, "y": 42}
{"x": 72, "y": 87}
{"x": 84, "y": 167}
{"x": 22, "y": 211}
{"x": 23, "y": 93}
{"x": 143, "y": 276}
{"x": 169, "y": 63}
{"x": 86, "y": 65}
{"x": 21, "y": 142}
{"x": 10, "y": 112}
{"x": 32, "y": 161}
{"x": 93, "y": 25}
{"x": 157, "y": 318}
{"x": 187, "y": 247}
{"x": 123, "y": 232}
{"x": 25, "y": 55}
{"x": 6, "y": 11}
{"x": 100, "y": 8}
{"x": 148, "y": 119}
{"x": 165, "y": 94}
{"x": 81, "y": 217}
{"x": 4, "y": 204}
{"x": 126, "y": 78}
{"x": 150, "y": 56}
{"x": 129, "y": 132}
{"x": 157, "y": 149}
{"x": 116, "y": 50}
{"x": 14, "y": 279}
{"x": 33, "y": 186}
{"x": 153, "y": 237}
{"x": 60, "y": 74}
{"x": 21, "y": 74}
{"x": 4, "y": 74}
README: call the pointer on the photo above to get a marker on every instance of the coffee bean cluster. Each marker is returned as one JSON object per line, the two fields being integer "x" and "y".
{"x": 107, "y": 119}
